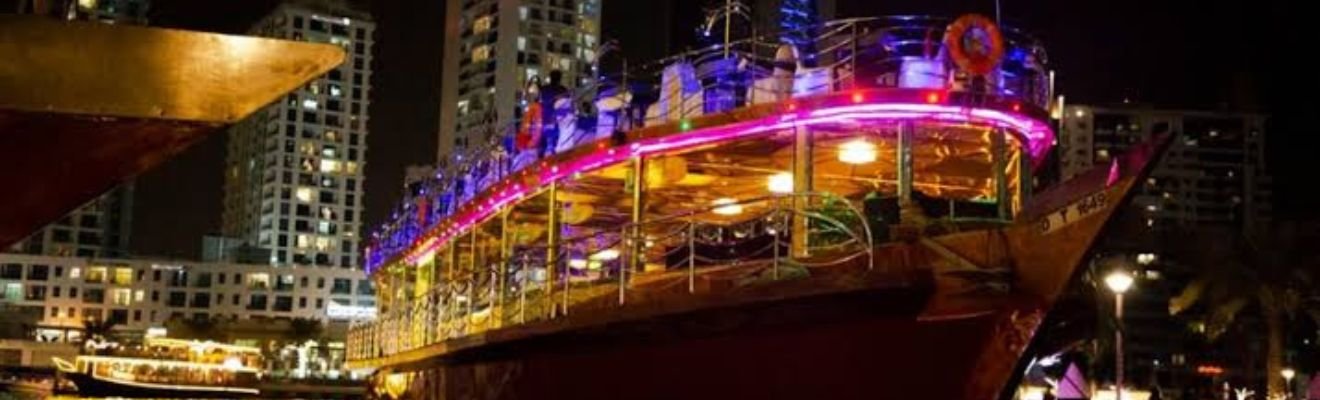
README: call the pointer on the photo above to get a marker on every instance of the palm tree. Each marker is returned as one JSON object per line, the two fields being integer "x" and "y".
{"x": 299, "y": 331}
{"x": 1236, "y": 274}
{"x": 303, "y": 329}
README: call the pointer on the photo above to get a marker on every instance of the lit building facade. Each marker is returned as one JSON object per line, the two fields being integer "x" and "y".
{"x": 1213, "y": 176}
{"x": 492, "y": 48}
{"x": 100, "y": 228}
{"x": 107, "y": 11}
{"x": 113, "y": 11}
{"x": 141, "y": 294}
{"x": 1213, "y": 173}
{"x": 294, "y": 171}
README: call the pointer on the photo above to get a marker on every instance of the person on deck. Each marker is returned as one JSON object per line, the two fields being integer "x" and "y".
{"x": 551, "y": 92}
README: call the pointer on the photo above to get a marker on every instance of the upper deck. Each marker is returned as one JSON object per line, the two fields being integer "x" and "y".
{"x": 747, "y": 163}
{"x": 877, "y": 70}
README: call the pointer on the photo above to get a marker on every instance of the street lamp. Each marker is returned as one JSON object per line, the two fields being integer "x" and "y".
{"x": 1118, "y": 282}
{"x": 1288, "y": 374}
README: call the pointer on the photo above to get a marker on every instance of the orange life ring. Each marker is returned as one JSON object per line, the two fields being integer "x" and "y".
{"x": 975, "y": 44}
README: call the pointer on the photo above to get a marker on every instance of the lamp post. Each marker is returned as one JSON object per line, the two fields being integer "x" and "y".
{"x": 1118, "y": 282}
{"x": 1288, "y": 374}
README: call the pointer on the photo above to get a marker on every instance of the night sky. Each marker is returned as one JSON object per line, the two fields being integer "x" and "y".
{"x": 1168, "y": 53}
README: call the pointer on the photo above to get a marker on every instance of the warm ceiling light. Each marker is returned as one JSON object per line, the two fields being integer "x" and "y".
{"x": 606, "y": 255}
{"x": 727, "y": 206}
{"x": 857, "y": 152}
{"x": 781, "y": 183}
{"x": 577, "y": 263}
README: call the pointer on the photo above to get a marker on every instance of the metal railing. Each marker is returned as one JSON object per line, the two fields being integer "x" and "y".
{"x": 639, "y": 263}
{"x": 845, "y": 54}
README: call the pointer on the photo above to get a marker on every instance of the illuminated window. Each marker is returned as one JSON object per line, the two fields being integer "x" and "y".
{"x": 121, "y": 297}
{"x": 75, "y": 272}
{"x": 324, "y": 244}
{"x": 522, "y": 43}
{"x": 329, "y": 166}
{"x": 123, "y": 276}
{"x": 482, "y": 24}
{"x": 139, "y": 295}
{"x": 258, "y": 280}
{"x": 352, "y": 167}
{"x": 310, "y": 104}
{"x": 96, "y": 275}
{"x": 13, "y": 291}
{"x": 480, "y": 53}
{"x": 304, "y": 241}
{"x": 303, "y": 194}
{"x": 522, "y": 13}
{"x": 335, "y": 90}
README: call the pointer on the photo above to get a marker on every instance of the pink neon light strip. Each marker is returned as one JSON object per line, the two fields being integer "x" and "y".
{"x": 1036, "y": 135}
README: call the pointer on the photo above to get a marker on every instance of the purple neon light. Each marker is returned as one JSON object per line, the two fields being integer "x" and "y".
{"x": 1037, "y": 136}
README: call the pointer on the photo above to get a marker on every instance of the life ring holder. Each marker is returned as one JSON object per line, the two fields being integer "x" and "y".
{"x": 971, "y": 30}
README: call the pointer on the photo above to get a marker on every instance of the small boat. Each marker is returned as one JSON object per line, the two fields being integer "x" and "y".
{"x": 167, "y": 368}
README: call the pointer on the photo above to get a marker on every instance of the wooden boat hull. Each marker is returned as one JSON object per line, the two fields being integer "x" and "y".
{"x": 946, "y": 332}
{"x": 90, "y": 386}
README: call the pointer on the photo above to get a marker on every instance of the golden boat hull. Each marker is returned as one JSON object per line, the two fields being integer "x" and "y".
{"x": 84, "y": 106}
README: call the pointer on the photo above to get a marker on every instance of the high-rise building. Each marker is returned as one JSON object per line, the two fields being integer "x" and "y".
{"x": 1213, "y": 173}
{"x": 493, "y": 47}
{"x": 294, "y": 171}
{"x": 108, "y": 11}
{"x": 102, "y": 226}
{"x": 1211, "y": 178}
{"x": 99, "y": 228}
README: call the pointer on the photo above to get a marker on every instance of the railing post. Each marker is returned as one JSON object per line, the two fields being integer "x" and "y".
{"x": 522, "y": 293}
{"x": 777, "y": 220}
{"x": 692, "y": 255}
{"x": 552, "y": 245}
{"x": 1023, "y": 178}
{"x": 999, "y": 161}
{"x": 803, "y": 161}
{"x": 904, "y": 160}
{"x": 503, "y": 264}
{"x": 472, "y": 289}
{"x": 624, "y": 262}
{"x": 639, "y": 196}
{"x": 568, "y": 286}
